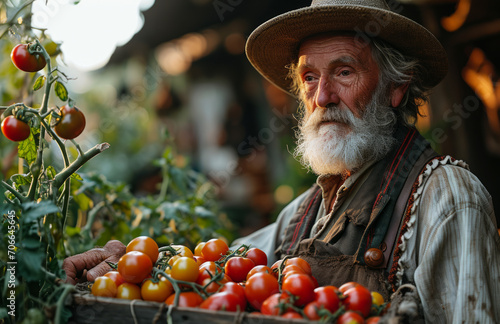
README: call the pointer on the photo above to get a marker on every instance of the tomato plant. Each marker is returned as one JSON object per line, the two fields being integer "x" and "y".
{"x": 144, "y": 244}
{"x": 15, "y": 129}
{"x": 238, "y": 267}
{"x": 134, "y": 266}
{"x": 71, "y": 124}
{"x": 104, "y": 287}
{"x": 25, "y": 61}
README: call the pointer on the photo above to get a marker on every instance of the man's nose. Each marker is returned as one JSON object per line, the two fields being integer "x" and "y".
{"x": 326, "y": 93}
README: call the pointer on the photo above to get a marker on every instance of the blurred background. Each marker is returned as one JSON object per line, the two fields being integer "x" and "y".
{"x": 143, "y": 69}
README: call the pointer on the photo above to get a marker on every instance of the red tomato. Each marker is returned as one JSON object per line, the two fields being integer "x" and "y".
{"x": 311, "y": 310}
{"x": 146, "y": 245}
{"x": 350, "y": 317}
{"x": 199, "y": 260}
{"x": 372, "y": 320}
{"x": 300, "y": 263}
{"x": 156, "y": 291}
{"x": 185, "y": 269}
{"x": 258, "y": 256}
{"x": 104, "y": 287}
{"x": 224, "y": 300}
{"x": 15, "y": 129}
{"x": 238, "y": 267}
{"x": 259, "y": 268}
{"x": 135, "y": 266}
{"x": 348, "y": 285}
{"x": 128, "y": 290}
{"x": 206, "y": 270}
{"x": 358, "y": 299}
{"x": 71, "y": 124}
{"x": 291, "y": 314}
{"x": 238, "y": 290}
{"x": 328, "y": 297}
{"x": 259, "y": 287}
{"x": 214, "y": 249}
{"x": 25, "y": 61}
{"x": 301, "y": 286}
{"x": 116, "y": 277}
{"x": 186, "y": 299}
{"x": 271, "y": 306}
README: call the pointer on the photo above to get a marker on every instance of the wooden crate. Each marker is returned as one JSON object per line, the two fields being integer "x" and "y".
{"x": 90, "y": 309}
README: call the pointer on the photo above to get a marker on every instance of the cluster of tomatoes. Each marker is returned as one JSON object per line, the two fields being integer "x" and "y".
{"x": 217, "y": 278}
{"x": 70, "y": 122}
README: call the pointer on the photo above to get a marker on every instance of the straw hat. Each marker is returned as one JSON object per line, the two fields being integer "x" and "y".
{"x": 274, "y": 44}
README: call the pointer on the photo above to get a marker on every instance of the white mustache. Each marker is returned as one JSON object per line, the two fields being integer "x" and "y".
{"x": 330, "y": 114}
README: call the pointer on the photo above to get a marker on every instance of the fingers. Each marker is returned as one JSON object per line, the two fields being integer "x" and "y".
{"x": 93, "y": 261}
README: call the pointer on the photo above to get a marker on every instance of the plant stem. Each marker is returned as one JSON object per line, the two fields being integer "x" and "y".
{"x": 14, "y": 192}
{"x": 62, "y": 176}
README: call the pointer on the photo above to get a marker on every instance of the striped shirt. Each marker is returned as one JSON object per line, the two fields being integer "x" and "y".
{"x": 450, "y": 251}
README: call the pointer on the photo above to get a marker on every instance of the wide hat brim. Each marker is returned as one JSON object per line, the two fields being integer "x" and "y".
{"x": 274, "y": 45}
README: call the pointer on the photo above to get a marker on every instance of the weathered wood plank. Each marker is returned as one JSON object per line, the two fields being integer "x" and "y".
{"x": 91, "y": 309}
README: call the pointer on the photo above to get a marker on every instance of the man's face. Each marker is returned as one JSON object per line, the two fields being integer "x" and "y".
{"x": 348, "y": 121}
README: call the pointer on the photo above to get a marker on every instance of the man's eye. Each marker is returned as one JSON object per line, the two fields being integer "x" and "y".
{"x": 345, "y": 72}
{"x": 308, "y": 78}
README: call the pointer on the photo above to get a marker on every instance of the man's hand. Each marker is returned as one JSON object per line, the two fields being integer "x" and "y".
{"x": 91, "y": 264}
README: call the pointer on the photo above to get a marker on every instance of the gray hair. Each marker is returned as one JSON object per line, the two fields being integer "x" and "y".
{"x": 395, "y": 69}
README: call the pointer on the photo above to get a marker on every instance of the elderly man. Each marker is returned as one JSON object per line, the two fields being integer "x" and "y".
{"x": 386, "y": 211}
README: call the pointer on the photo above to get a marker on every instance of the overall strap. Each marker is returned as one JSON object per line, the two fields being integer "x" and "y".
{"x": 399, "y": 166}
{"x": 301, "y": 223}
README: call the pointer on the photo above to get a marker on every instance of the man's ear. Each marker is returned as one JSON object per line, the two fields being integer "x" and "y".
{"x": 398, "y": 93}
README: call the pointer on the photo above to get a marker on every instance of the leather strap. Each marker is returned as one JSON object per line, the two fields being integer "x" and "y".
{"x": 401, "y": 203}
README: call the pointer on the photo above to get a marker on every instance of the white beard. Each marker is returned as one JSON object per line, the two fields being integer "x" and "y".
{"x": 345, "y": 146}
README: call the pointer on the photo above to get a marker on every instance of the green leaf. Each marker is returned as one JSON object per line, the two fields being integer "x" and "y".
{"x": 202, "y": 212}
{"x": 33, "y": 210}
{"x": 76, "y": 176}
{"x": 40, "y": 81}
{"x": 27, "y": 149}
{"x": 29, "y": 262}
{"x": 61, "y": 91}
{"x": 21, "y": 179}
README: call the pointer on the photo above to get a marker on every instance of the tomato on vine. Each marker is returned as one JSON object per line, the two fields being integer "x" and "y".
{"x": 146, "y": 245}
{"x": 224, "y": 300}
{"x": 25, "y": 61}
{"x": 358, "y": 299}
{"x": 71, "y": 124}
{"x": 238, "y": 267}
{"x": 185, "y": 269}
{"x": 260, "y": 286}
{"x": 214, "y": 249}
{"x": 104, "y": 287}
{"x": 129, "y": 291}
{"x": 135, "y": 266}
{"x": 301, "y": 286}
{"x": 156, "y": 291}
{"x": 14, "y": 129}
{"x": 186, "y": 299}
{"x": 258, "y": 256}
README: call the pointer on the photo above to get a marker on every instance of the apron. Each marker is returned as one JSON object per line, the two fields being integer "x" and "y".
{"x": 371, "y": 225}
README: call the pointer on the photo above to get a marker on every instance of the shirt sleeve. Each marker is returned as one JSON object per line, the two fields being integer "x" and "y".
{"x": 269, "y": 238}
{"x": 458, "y": 249}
